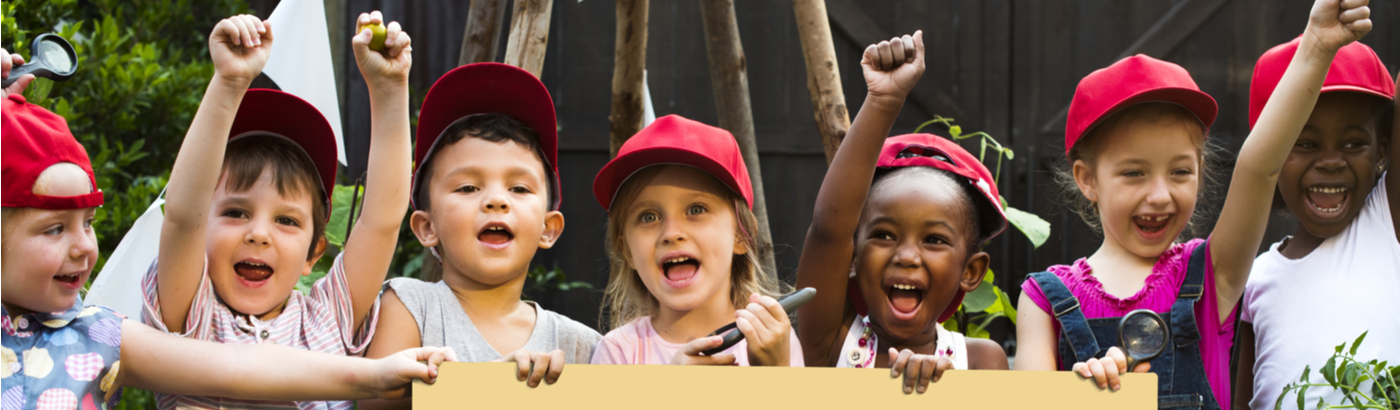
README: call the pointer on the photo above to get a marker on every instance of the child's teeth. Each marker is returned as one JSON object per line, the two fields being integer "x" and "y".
{"x": 678, "y": 259}
{"x": 1328, "y": 190}
{"x": 904, "y": 287}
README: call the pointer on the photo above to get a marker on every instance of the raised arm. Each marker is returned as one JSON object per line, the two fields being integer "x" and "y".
{"x": 370, "y": 247}
{"x": 1331, "y": 25}
{"x": 156, "y": 361}
{"x": 239, "y": 47}
{"x": 1392, "y": 178}
{"x": 892, "y": 68}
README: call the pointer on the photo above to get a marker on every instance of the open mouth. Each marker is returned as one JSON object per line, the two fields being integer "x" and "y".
{"x": 70, "y": 280}
{"x": 495, "y": 235}
{"x": 905, "y": 298}
{"x": 252, "y": 271}
{"x": 1152, "y": 224}
{"x": 680, "y": 269}
{"x": 1328, "y": 200}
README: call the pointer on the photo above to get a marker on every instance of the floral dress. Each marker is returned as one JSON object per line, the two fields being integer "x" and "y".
{"x": 62, "y": 360}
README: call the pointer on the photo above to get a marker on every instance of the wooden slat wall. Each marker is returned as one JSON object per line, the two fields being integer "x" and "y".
{"x": 1010, "y": 65}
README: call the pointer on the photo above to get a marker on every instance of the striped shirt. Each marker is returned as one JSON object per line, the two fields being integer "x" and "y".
{"x": 319, "y": 322}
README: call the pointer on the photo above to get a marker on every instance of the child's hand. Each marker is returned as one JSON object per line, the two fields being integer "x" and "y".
{"x": 765, "y": 326}
{"x": 1105, "y": 371}
{"x": 240, "y": 46}
{"x": 892, "y": 68}
{"x": 389, "y": 66}
{"x": 690, "y": 353}
{"x": 393, "y": 374}
{"x": 9, "y": 62}
{"x": 918, "y": 369}
{"x": 1336, "y": 23}
{"x": 546, "y": 366}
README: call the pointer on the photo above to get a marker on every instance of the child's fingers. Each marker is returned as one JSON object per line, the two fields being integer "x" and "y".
{"x": 391, "y": 33}
{"x": 361, "y": 21}
{"x": 1356, "y": 14}
{"x": 539, "y": 368}
{"x": 871, "y": 57}
{"x": 227, "y": 29}
{"x": 7, "y": 61}
{"x": 919, "y": 44}
{"x": 909, "y": 51}
{"x": 928, "y": 366}
{"x": 770, "y": 311}
{"x": 556, "y": 366}
{"x": 896, "y": 52}
{"x": 1096, "y": 368}
{"x": 246, "y": 30}
{"x": 699, "y": 345}
{"x": 898, "y": 361}
{"x": 376, "y": 17}
{"x": 886, "y": 56}
{"x": 722, "y": 359}
{"x": 1351, "y": 4}
{"x": 748, "y": 325}
{"x": 943, "y": 364}
{"x": 1143, "y": 367}
{"x": 1115, "y": 359}
{"x": 401, "y": 43}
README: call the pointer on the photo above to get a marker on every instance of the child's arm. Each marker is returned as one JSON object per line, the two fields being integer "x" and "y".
{"x": 1240, "y": 229}
{"x": 239, "y": 47}
{"x": 1392, "y": 178}
{"x": 156, "y": 361}
{"x": 1035, "y": 336}
{"x": 891, "y": 70}
{"x": 397, "y": 330}
{"x": 370, "y": 247}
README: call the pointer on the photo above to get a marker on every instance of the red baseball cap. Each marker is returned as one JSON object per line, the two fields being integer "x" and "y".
{"x": 33, "y": 140}
{"x": 487, "y": 88}
{"x": 1356, "y": 68}
{"x": 928, "y": 150}
{"x": 274, "y": 113}
{"x": 1130, "y": 81}
{"x": 676, "y": 140}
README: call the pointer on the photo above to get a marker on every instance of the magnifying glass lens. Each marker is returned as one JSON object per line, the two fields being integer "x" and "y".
{"x": 1144, "y": 336}
{"x": 54, "y": 56}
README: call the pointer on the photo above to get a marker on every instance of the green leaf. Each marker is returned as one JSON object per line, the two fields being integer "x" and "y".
{"x": 1302, "y": 393}
{"x": 980, "y": 299}
{"x": 1357, "y": 343}
{"x": 340, "y": 213}
{"x": 1035, "y": 228}
{"x": 1306, "y": 370}
{"x": 1329, "y": 371}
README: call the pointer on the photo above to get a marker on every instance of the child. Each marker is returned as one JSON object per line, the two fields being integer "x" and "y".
{"x": 1343, "y": 257}
{"x": 59, "y": 353}
{"x": 919, "y": 223}
{"x": 486, "y": 198}
{"x": 1135, "y": 137}
{"x": 680, "y": 243}
{"x": 238, "y": 236}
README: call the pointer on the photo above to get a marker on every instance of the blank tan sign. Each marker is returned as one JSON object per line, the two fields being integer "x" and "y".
{"x": 493, "y": 385}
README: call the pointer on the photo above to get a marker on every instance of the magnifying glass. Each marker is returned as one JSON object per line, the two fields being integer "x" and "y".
{"x": 1143, "y": 335}
{"x": 51, "y": 57}
{"x": 790, "y": 303}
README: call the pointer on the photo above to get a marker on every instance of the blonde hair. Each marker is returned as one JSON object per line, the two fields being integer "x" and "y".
{"x": 626, "y": 297}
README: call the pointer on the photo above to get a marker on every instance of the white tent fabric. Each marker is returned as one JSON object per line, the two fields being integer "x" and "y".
{"x": 301, "y": 59}
{"x": 118, "y": 286}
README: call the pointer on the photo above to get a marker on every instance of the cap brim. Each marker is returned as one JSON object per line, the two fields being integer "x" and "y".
{"x": 281, "y": 114}
{"x": 616, "y": 173}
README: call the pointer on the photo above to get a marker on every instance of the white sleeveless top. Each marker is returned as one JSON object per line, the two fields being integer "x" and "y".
{"x": 854, "y": 353}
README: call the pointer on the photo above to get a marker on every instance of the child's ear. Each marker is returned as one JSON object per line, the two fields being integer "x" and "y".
{"x": 320, "y": 251}
{"x": 1084, "y": 178}
{"x": 974, "y": 271}
{"x": 553, "y": 228}
{"x": 422, "y": 227}
{"x": 740, "y": 247}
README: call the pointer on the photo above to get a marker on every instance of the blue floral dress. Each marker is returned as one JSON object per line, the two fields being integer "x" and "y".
{"x": 63, "y": 360}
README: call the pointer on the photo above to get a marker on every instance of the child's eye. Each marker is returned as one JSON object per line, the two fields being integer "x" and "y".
{"x": 1133, "y": 173}
{"x": 648, "y": 217}
{"x": 520, "y": 189}
{"x": 1182, "y": 172}
{"x": 935, "y": 240}
{"x": 882, "y": 235}
{"x": 1305, "y": 145}
{"x": 467, "y": 189}
{"x": 695, "y": 209}
{"x": 288, "y": 221}
{"x": 87, "y": 223}
{"x": 54, "y": 230}
{"x": 234, "y": 213}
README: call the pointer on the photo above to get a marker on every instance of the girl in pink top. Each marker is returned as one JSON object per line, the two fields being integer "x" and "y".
{"x": 1134, "y": 137}
{"x": 683, "y": 257}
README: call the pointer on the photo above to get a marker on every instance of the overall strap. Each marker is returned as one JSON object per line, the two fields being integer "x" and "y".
{"x": 1074, "y": 328}
{"x": 1183, "y": 312}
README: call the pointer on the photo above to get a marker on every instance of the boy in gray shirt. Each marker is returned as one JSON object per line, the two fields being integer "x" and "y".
{"x": 485, "y": 198}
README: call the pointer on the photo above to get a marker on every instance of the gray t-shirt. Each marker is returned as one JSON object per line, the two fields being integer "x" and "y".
{"x": 442, "y": 322}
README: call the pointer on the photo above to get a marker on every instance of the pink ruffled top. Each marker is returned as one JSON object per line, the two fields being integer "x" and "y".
{"x": 1158, "y": 293}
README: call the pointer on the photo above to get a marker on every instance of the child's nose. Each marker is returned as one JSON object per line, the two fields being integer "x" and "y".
{"x": 496, "y": 203}
{"x": 1159, "y": 192}
{"x": 672, "y": 232}
{"x": 257, "y": 236}
{"x": 1330, "y": 161}
{"x": 907, "y": 255}
{"x": 85, "y": 245}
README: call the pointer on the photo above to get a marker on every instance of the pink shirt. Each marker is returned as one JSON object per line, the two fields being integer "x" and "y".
{"x": 319, "y": 322}
{"x": 1158, "y": 293}
{"x": 638, "y": 343}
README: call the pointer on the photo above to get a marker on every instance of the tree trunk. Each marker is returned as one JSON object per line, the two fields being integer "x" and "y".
{"x": 629, "y": 61}
{"x": 729, "y": 77}
{"x": 529, "y": 35}
{"x": 823, "y": 76}
{"x": 482, "y": 38}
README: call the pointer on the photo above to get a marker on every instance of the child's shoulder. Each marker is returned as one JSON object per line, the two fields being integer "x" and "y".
{"x": 631, "y": 332}
{"x": 568, "y": 326}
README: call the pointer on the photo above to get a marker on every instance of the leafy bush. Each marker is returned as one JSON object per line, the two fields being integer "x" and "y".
{"x": 1345, "y": 373}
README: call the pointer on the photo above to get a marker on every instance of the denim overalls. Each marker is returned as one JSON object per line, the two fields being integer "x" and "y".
{"x": 1181, "y": 378}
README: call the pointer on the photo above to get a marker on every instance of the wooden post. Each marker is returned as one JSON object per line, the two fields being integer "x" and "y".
{"x": 482, "y": 38}
{"x": 629, "y": 61}
{"x": 730, "y": 80}
{"x": 529, "y": 34}
{"x": 823, "y": 76}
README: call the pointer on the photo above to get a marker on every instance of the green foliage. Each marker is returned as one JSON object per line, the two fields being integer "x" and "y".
{"x": 980, "y": 307}
{"x": 1346, "y": 373}
{"x": 541, "y": 279}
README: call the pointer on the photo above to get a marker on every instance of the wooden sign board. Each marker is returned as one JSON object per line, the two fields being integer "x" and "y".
{"x": 493, "y": 385}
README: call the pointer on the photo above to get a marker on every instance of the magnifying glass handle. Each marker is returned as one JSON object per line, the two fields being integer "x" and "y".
{"x": 20, "y": 71}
